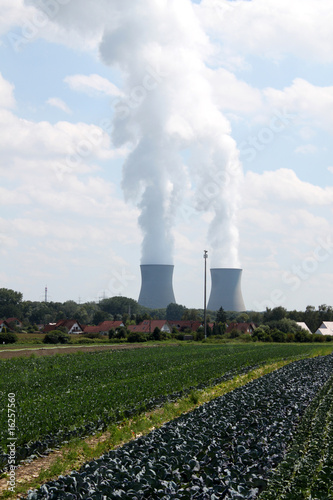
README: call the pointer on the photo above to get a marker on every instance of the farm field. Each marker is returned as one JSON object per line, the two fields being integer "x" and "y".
{"x": 72, "y": 395}
{"x": 306, "y": 471}
{"x": 226, "y": 448}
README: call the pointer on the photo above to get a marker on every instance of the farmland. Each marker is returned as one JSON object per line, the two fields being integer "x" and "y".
{"x": 306, "y": 471}
{"x": 60, "y": 397}
{"x": 226, "y": 448}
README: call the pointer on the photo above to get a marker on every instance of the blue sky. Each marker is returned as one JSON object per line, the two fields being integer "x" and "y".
{"x": 259, "y": 71}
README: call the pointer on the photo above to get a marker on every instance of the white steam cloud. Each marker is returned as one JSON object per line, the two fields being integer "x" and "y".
{"x": 167, "y": 113}
{"x": 168, "y": 109}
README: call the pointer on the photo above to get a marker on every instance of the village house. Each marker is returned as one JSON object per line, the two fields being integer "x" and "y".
{"x": 326, "y": 328}
{"x": 149, "y": 325}
{"x": 182, "y": 325}
{"x": 14, "y": 322}
{"x": 304, "y": 326}
{"x": 104, "y": 327}
{"x": 71, "y": 326}
{"x": 241, "y": 327}
{"x": 4, "y": 326}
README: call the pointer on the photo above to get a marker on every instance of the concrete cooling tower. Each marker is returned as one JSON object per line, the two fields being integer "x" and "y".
{"x": 156, "y": 286}
{"x": 226, "y": 290}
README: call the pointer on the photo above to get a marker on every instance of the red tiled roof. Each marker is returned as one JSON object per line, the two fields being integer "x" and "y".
{"x": 91, "y": 329}
{"x": 66, "y": 323}
{"x": 241, "y": 327}
{"x": 148, "y": 325}
{"x": 13, "y": 320}
{"x": 105, "y": 326}
{"x": 182, "y": 324}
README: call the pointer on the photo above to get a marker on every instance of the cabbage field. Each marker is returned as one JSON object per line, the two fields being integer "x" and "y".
{"x": 307, "y": 469}
{"x": 77, "y": 394}
{"x": 228, "y": 448}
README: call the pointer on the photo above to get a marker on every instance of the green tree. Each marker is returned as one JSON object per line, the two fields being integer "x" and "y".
{"x": 221, "y": 316}
{"x": 100, "y": 316}
{"x": 274, "y": 314}
{"x": 156, "y": 335}
{"x": 311, "y": 318}
{"x": 119, "y": 305}
{"x": 70, "y": 308}
{"x": 243, "y": 318}
{"x": 191, "y": 315}
{"x": 10, "y": 303}
{"x": 175, "y": 312}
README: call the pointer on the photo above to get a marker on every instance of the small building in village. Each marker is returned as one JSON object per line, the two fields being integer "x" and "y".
{"x": 326, "y": 328}
{"x": 70, "y": 325}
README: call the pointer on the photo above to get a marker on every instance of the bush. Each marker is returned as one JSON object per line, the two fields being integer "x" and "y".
{"x": 278, "y": 336}
{"x": 156, "y": 335}
{"x": 136, "y": 337}
{"x": 200, "y": 334}
{"x": 8, "y": 338}
{"x": 92, "y": 335}
{"x": 121, "y": 333}
{"x": 56, "y": 337}
{"x": 234, "y": 333}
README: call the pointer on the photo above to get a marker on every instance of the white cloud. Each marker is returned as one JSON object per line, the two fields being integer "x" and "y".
{"x": 92, "y": 84}
{"x": 13, "y": 13}
{"x": 71, "y": 145}
{"x": 284, "y": 185}
{"x": 306, "y": 149}
{"x": 270, "y": 29}
{"x": 312, "y": 105}
{"x": 233, "y": 94}
{"x": 7, "y": 99}
{"x": 58, "y": 103}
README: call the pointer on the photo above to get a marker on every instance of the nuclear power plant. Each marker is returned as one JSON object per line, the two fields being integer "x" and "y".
{"x": 157, "y": 289}
{"x": 156, "y": 286}
{"x": 226, "y": 290}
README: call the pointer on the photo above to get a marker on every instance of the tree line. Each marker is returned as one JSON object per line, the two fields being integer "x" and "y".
{"x": 128, "y": 310}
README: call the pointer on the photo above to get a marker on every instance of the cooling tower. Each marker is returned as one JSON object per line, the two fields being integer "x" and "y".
{"x": 156, "y": 286}
{"x": 226, "y": 290}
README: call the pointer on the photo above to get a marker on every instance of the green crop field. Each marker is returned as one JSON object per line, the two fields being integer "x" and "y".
{"x": 229, "y": 447}
{"x": 306, "y": 471}
{"x": 73, "y": 395}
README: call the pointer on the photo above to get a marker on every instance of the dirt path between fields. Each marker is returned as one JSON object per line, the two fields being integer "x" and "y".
{"x": 47, "y": 351}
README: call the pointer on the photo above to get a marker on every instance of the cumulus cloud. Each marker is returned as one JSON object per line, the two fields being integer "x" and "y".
{"x": 7, "y": 99}
{"x": 312, "y": 104}
{"x": 59, "y": 103}
{"x": 92, "y": 84}
{"x": 13, "y": 13}
{"x": 270, "y": 29}
{"x": 284, "y": 185}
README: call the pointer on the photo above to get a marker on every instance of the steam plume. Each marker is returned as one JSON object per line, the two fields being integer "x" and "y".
{"x": 168, "y": 108}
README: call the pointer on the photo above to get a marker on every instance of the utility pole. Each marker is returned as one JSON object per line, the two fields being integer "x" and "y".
{"x": 205, "y": 294}
{"x": 46, "y": 294}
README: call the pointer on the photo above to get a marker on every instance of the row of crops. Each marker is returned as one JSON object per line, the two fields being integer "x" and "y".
{"x": 74, "y": 395}
{"x": 307, "y": 469}
{"x": 225, "y": 449}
